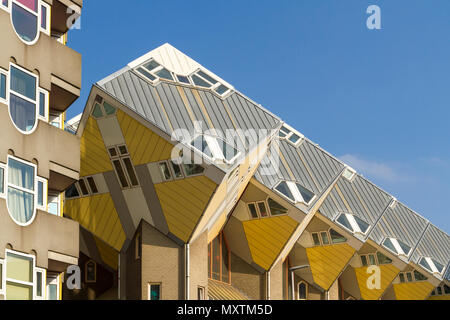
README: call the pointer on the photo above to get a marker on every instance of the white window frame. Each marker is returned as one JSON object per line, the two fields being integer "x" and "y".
{"x": 349, "y": 174}
{"x": 212, "y": 87}
{"x": 397, "y": 247}
{"x": 59, "y": 202}
{"x": 49, "y": 13}
{"x": 5, "y": 73}
{"x": 47, "y": 105}
{"x": 291, "y": 132}
{"x": 36, "y": 102}
{"x": 56, "y": 280}
{"x": 43, "y": 284}
{"x": 7, "y": 9}
{"x": 350, "y": 218}
{"x": 44, "y": 193}
{"x": 38, "y": 13}
{"x": 5, "y": 185}
{"x": 5, "y": 279}
{"x": 22, "y": 189}
{"x": 298, "y": 198}
{"x": 430, "y": 262}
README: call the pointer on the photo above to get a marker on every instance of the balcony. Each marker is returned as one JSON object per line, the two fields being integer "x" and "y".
{"x": 60, "y": 15}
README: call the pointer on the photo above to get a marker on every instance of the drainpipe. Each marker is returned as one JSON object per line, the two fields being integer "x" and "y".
{"x": 187, "y": 271}
{"x": 118, "y": 278}
{"x": 268, "y": 285}
{"x": 291, "y": 270}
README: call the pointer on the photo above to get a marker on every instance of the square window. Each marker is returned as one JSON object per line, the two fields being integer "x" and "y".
{"x": 316, "y": 239}
{"x": 112, "y": 152}
{"x": 154, "y": 292}
{"x": 123, "y": 150}
{"x": 364, "y": 261}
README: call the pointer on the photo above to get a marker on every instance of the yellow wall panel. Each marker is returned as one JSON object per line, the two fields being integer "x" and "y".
{"x": 98, "y": 215}
{"x": 267, "y": 237}
{"x": 387, "y": 273}
{"x": 327, "y": 262}
{"x": 446, "y": 297}
{"x": 413, "y": 290}
{"x": 144, "y": 145}
{"x": 107, "y": 253}
{"x": 183, "y": 203}
{"x": 94, "y": 157}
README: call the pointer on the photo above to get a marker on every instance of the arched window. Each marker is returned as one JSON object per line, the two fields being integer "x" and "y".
{"x": 302, "y": 290}
{"x": 25, "y": 19}
{"x": 21, "y": 195}
{"x": 23, "y": 89}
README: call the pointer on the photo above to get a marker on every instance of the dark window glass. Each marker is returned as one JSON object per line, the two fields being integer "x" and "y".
{"x": 276, "y": 208}
{"x": 344, "y": 222}
{"x": 43, "y": 17}
{"x": 252, "y": 208}
{"x": 316, "y": 239}
{"x": 40, "y": 197}
{"x": 151, "y": 65}
{"x": 382, "y": 259}
{"x": 39, "y": 284}
{"x": 83, "y": 187}
{"x": 306, "y": 194}
{"x": 113, "y": 152}
{"x": 294, "y": 138}
{"x": 3, "y": 86}
{"x": 324, "y": 237}
{"x": 25, "y": 23}
{"x": 109, "y": 109}
{"x": 438, "y": 266}
{"x": 364, "y": 261}
{"x": 200, "y": 82}
{"x": 423, "y": 262}
{"x": 201, "y": 144}
{"x": 41, "y": 104}
{"x": 446, "y": 289}
{"x": 97, "y": 113}
{"x": 72, "y": 192}
{"x": 409, "y": 276}
{"x": 155, "y": 292}
{"x": 418, "y": 276}
{"x": 5, "y": 3}
{"x": 176, "y": 170}
{"x": 402, "y": 277}
{"x": 91, "y": 271}
{"x": 193, "y": 169}
{"x": 262, "y": 209}
{"x": 404, "y": 247}
{"x": 2, "y": 180}
{"x": 284, "y": 189}
{"x": 336, "y": 237}
{"x": 221, "y": 89}
{"x": 302, "y": 289}
{"x": 164, "y": 74}
{"x": 131, "y": 173}
{"x": 372, "y": 259}
{"x": 120, "y": 173}
{"x": 92, "y": 185}
{"x": 23, "y": 83}
{"x": 207, "y": 77}
{"x": 183, "y": 79}
{"x": 388, "y": 244}
{"x": 22, "y": 112}
{"x": 146, "y": 74}
{"x": 164, "y": 168}
{"x": 439, "y": 291}
{"x": 200, "y": 293}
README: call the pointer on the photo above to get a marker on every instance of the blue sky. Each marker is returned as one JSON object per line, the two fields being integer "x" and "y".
{"x": 378, "y": 99}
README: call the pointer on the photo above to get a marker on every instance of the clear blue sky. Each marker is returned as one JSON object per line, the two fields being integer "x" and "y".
{"x": 378, "y": 99}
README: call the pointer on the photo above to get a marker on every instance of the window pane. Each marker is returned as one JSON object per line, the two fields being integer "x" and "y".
{"x": 382, "y": 259}
{"x": 221, "y": 89}
{"x": 423, "y": 262}
{"x": 18, "y": 292}
{"x": 364, "y": 261}
{"x": 409, "y": 277}
{"x": 22, "y": 112}
{"x": 72, "y": 192}
{"x": 316, "y": 239}
{"x": 324, "y": 237}
{"x": 53, "y": 205}
{"x": 97, "y": 113}
{"x": 40, "y": 196}
{"x": 207, "y": 77}
{"x": 2, "y": 86}
{"x": 146, "y": 74}
{"x": 402, "y": 277}
{"x": 446, "y": 289}
{"x": 438, "y": 266}
{"x": 336, "y": 237}
{"x": 200, "y": 82}
{"x": 344, "y": 222}
{"x": 112, "y": 152}
{"x": 418, "y": 276}
{"x": 276, "y": 208}
{"x": 41, "y": 104}
{"x": 372, "y": 259}
{"x": 404, "y": 247}
{"x": 284, "y": 189}
{"x": 252, "y": 209}
{"x": 120, "y": 173}
{"x": 439, "y": 291}
{"x": 155, "y": 292}
{"x": 216, "y": 259}
{"x": 176, "y": 170}
{"x": 5, "y": 2}
{"x": 183, "y": 79}
{"x": 109, "y": 109}
{"x": 201, "y": 144}
{"x": 193, "y": 169}
{"x": 164, "y": 74}
{"x": 294, "y": 138}
{"x": 39, "y": 284}
{"x": 19, "y": 267}
{"x": 25, "y": 23}
{"x": 92, "y": 185}
{"x": 83, "y": 187}
{"x": 44, "y": 17}
{"x": 306, "y": 194}
{"x": 52, "y": 291}
{"x": 302, "y": 291}
{"x": 362, "y": 224}
{"x": 151, "y": 65}
{"x": 225, "y": 262}
{"x": 20, "y": 205}
{"x": 388, "y": 244}
{"x": 131, "y": 173}
{"x": 23, "y": 83}
{"x": 164, "y": 168}
{"x": 228, "y": 151}
{"x": 2, "y": 180}
{"x": 262, "y": 209}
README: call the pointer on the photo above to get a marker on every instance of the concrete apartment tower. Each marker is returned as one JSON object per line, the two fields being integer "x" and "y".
{"x": 40, "y": 77}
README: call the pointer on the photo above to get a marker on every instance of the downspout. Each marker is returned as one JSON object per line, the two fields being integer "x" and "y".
{"x": 187, "y": 271}
{"x": 118, "y": 278}
{"x": 292, "y": 284}
{"x": 268, "y": 285}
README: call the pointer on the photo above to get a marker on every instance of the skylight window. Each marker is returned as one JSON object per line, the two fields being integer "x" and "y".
{"x": 431, "y": 265}
{"x": 164, "y": 74}
{"x": 153, "y": 70}
{"x": 215, "y": 148}
{"x": 183, "y": 79}
{"x": 201, "y": 82}
{"x": 353, "y": 223}
{"x": 290, "y": 135}
{"x": 396, "y": 246}
{"x": 349, "y": 173}
{"x": 295, "y": 192}
{"x": 202, "y": 79}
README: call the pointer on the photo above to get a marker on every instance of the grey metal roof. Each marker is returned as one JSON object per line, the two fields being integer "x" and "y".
{"x": 163, "y": 105}
{"x": 359, "y": 197}
{"x": 401, "y": 223}
{"x": 307, "y": 164}
{"x": 434, "y": 244}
